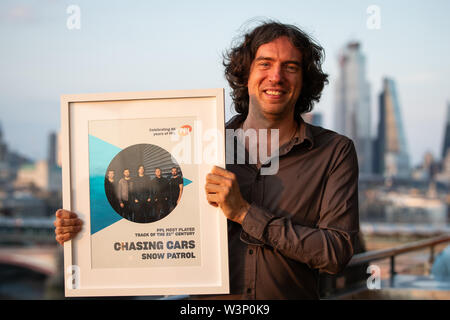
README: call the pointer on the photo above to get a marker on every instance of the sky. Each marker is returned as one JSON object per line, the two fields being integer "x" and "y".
{"x": 124, "y": 46}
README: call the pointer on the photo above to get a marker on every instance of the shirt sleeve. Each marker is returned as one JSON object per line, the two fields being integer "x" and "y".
{"x": 329, "y": 245}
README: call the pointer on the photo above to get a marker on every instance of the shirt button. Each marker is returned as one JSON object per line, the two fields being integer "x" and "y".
{"x": 250, "y": 251}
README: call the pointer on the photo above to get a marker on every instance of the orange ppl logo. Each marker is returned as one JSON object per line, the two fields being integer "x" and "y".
{"x": 184, "y": 130}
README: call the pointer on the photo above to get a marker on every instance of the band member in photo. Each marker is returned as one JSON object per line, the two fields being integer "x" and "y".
{"x": 141, "y": 196}
{"x": 111, "y": 190}
{"x": 175, "y": 188}
{"x": 160, "y": 187}
{"x": 124, "y": 195}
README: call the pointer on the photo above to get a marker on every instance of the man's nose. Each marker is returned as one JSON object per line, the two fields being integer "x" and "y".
{"x": 275, "y": 74}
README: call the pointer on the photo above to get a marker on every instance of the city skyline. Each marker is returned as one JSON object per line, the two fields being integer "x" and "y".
{"x": 156, "y": 46}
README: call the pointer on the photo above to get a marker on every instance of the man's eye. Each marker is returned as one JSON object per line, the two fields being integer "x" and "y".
{"x": 292, "y": 68}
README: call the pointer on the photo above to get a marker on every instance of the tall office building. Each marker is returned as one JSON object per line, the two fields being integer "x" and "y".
{"x": 3, "y": 146}
{"x": 352, "y": 104}
{"x": 52, "y": 149}
{"x": 446, "y": 145}
{"x": 392, "y": 157}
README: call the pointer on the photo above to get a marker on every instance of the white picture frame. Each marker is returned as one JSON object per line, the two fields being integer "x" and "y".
{"x": 105, "y": 258}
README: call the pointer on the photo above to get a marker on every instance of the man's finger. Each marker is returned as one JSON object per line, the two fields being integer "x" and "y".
{"x": 68, "y": 222}
{"x": 212, "y": 197}
{"x": 209, "y": 187}
{"x": 216, "y": 179}
{"x": 71, "y": 229}
{"x": 59, "y": 241}
{"x": 61, "y": 238}
{"x": 222, "y": 172}
{"x": 214, "y": 204}
{"x": 64, "y": 214}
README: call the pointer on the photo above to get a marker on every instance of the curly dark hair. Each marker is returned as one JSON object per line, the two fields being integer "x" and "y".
{"x": 237, "y": 62}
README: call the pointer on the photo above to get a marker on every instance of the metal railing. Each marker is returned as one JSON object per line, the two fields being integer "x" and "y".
{"x": 391, "y": 253}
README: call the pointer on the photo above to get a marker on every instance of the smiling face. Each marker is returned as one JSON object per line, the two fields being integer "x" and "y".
{"x": 275, "y": 79}
{"x": 110, "y": 174}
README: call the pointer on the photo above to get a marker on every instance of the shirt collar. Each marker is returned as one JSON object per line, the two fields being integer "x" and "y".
{"x": 303, "y": 134}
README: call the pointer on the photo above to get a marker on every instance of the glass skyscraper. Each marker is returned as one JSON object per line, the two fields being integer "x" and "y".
{"x": 352, "y": 104}
{"x": 446, "y": 144}
{"x": 392, "y": 157}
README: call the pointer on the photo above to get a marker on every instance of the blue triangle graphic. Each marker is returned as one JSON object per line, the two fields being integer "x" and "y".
{"x": 186, "y": 182}
{"x": 100, "y": 155}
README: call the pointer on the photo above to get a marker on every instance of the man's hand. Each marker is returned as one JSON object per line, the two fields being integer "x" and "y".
{"x": 67, "y": 225}
{"x": 222, "y": 190}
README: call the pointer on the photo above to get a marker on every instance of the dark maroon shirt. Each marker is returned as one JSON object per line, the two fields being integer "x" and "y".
{"x": 303, "y": 220}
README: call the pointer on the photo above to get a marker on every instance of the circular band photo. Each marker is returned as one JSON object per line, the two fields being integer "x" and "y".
{"x": 143, "y": 183}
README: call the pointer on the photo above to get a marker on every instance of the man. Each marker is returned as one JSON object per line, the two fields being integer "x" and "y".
{"x": 141, "y": 196}
{"x": 124, "y": 195}
{"x": 175, "y": 188}
{"x": 111, "y": 190}
{"x": 160, "y": 187}
{"x": 284, "y": 228}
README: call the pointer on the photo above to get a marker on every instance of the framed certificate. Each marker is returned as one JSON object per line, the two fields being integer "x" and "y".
{"x": 134, "y": 168}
